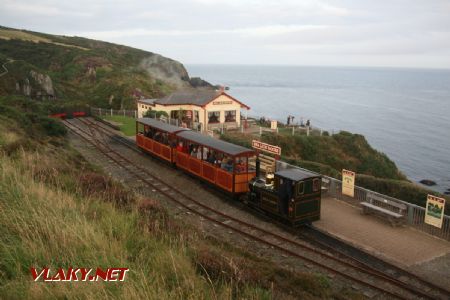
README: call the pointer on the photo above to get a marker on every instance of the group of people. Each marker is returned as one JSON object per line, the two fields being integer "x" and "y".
{"x": 290, "y": 121}
{"x": 215, "y": 158}
{"x": 161, "y": 137}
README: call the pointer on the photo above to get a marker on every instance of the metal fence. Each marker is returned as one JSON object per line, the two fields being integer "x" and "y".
{"x": 103, "y": 112}
{"x": 113, "y": 112}
{"x": 415, "y": 214}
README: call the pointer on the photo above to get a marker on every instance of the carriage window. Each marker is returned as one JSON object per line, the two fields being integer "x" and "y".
{"x": 230, "y": 116}
{"x": 213, "y": 117}
{"x": 196, "y": 116}
{"x": 195, "y": 150}
{"x": 300, "y": 188}
{"x": 241, "y": 164}
{"x": 316, "y": 185}
{"x": 141, "y": 128}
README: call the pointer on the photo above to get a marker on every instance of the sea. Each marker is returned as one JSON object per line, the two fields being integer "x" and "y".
{"x": 404, "y": 113}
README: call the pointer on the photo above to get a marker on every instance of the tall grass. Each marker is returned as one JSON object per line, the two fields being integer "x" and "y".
{"x": 41, "y": 227}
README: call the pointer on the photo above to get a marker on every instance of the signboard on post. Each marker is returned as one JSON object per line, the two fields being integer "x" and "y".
{"x": 273, "y": 124}
{"x": 348, "y": 183}
{"x": 434, "y": 213}
{"x": 266, "y": 147}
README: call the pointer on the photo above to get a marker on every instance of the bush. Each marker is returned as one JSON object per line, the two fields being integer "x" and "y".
{"x": 52, "y": 127}
{"x": 157, "y": 113}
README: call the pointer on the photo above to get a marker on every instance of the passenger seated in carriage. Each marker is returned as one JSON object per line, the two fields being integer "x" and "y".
{"x": 211, "y": 158}
{"x": 194, "y": 151}
{"x": 180, "y": 147}
{"x": 227, "y": 164}
{"x": 241, "y": 166}
{"x": 157, "y": 137}
{"x": 165, "y": 138}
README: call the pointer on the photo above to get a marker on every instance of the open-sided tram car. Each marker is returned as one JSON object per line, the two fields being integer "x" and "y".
{"x": 292, "y": 195}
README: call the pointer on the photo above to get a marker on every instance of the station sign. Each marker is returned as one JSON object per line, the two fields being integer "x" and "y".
{"x": 348, "y": 183}
{"x": 222, "y": 102}
{"x": 266, "y": 147}
{"x": 434, "y": 213}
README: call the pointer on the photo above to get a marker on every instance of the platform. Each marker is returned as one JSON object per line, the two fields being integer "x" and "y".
{"x": 401, "y": 245}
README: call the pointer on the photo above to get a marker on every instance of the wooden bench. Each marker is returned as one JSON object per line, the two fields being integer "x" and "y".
{"x": 394, "y": 211}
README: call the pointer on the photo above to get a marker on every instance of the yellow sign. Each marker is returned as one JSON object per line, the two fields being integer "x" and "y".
{"x": 348, "y": 183}
{"x": 273, "y": 124}
{"x": 434, "y": 214}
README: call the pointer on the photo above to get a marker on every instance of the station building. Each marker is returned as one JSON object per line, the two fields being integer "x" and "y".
{"x": 201, "y": 109}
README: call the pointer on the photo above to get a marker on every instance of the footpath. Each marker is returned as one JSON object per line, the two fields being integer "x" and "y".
{"x": 404, "y": 246}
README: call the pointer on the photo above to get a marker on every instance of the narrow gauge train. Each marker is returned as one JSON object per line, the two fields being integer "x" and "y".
{"x": 292, "y": 196}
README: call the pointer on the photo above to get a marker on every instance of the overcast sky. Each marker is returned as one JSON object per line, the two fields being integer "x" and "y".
{"x": 396, "y": 33}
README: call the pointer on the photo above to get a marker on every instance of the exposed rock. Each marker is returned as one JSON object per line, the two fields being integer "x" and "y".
{"x": 26, "y": 88}
{"x": 165, "y": 69}
{"x": 44, "y": 81}
{"x": 198, "y": 82}
{"x": 427, "y": 182}
{"x": 91, "y": 73}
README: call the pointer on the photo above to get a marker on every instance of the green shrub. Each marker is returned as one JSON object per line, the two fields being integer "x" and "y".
{"x": 52, "y": 127}
{"x": 157, "y": 113}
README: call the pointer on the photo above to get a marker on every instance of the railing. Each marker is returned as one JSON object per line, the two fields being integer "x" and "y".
{"x": 113, "y": 112}
{"x": 415, "y": 214}
{"x": 103, "y": 112}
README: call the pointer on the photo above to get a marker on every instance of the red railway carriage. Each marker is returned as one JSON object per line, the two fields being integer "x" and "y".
{"x": 157, "y": 138}
{"x": 220, "y": 163}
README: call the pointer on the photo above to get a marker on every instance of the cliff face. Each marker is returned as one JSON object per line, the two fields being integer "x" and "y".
{"x": 165, "y": 69}
{"x": 108, "y": 75}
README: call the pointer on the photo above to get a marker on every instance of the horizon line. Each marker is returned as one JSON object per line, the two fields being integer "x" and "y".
{"x": 316, "y": 66}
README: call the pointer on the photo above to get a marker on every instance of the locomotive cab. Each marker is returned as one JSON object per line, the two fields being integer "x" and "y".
{"x": 294, "y": 196}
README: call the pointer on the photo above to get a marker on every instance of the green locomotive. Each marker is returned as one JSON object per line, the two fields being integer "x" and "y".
{"x": 291, "y": 195}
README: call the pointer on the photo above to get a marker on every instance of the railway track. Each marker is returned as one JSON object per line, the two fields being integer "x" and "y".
{"x": 344, "y": 266}
{"x": 319, "y": 238}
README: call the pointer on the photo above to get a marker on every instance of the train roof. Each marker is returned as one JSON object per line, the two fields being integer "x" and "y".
{"x": 296, "y": 174}
{"x": 215, "y": 144}
{"x": 161, "y": 125}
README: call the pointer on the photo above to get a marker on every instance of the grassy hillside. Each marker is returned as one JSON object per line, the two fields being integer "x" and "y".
{"x": 84, "y": 70}
{"x": 329, "y": 154}
{"x": 57, "y": 210}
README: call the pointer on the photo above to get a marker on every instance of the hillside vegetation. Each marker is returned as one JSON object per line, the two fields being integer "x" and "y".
{"x": 81, "y": 70}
